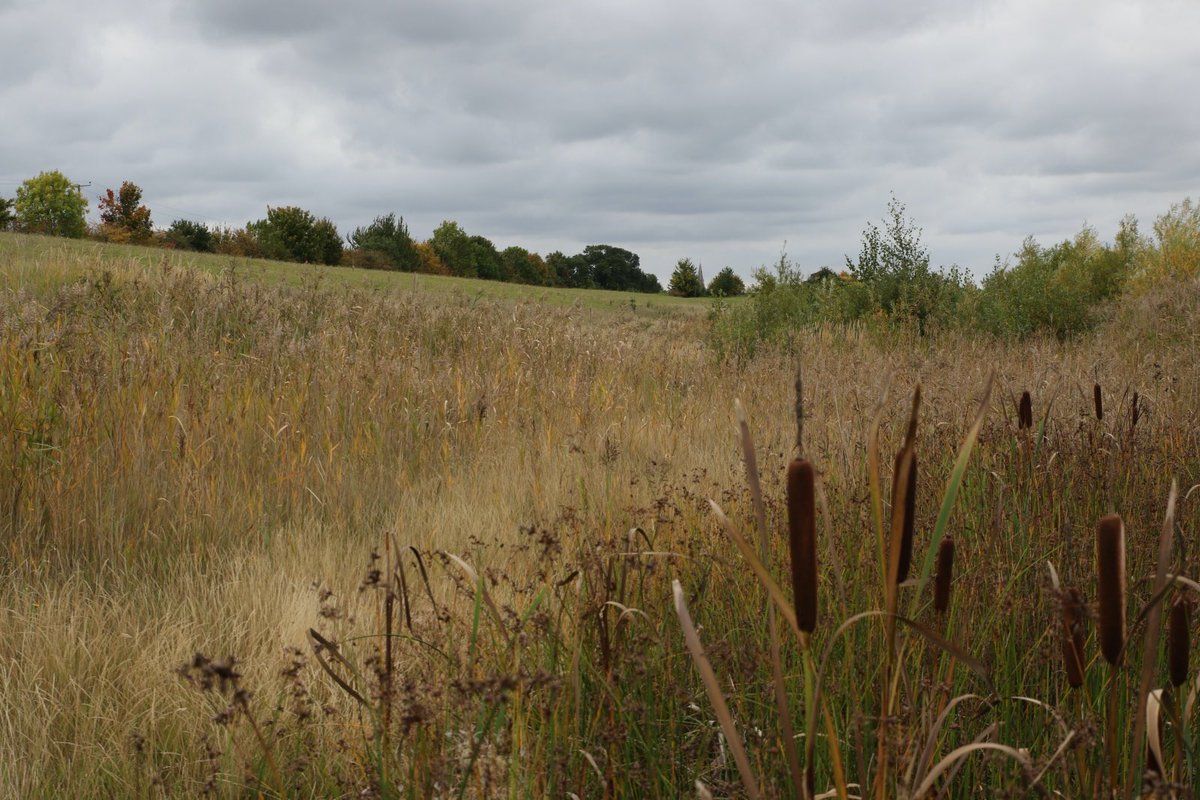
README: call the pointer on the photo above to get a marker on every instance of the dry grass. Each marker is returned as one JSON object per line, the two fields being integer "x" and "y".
{"x": 190, "y": 462}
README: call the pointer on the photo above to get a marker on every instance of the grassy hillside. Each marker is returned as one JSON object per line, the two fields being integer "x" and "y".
{"x": 478, "y": 508}
{"x": 44, "y": 261}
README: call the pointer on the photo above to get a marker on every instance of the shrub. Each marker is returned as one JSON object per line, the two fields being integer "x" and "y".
{"x": 727, "y": 283}
{"x": 188, "y": 235}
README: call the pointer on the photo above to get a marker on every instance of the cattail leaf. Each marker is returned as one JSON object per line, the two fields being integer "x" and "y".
{"x": 713, "y": 689}
{"x": 788, "y": 733}
{"x": 1154, "y": 623}
{"x": 952, "y": 486}
{"x": 760, "y": 571}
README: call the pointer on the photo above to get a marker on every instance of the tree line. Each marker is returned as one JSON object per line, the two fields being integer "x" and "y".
{"x": 51, "y": 204}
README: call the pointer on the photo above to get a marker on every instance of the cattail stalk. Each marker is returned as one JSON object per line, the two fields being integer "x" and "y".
{"x": 1134, "y": 411}
{"x": 945, "y": 573}
{"x": 802, "y": 541}
{"x": 1072, "y": 641}
{"x": 1098, "y": 400}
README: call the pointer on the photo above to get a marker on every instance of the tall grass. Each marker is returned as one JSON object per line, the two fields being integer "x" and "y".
{"x": 319, "y": 541}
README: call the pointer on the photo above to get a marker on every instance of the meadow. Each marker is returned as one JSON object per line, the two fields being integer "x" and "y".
{"x": 273, "y": 531}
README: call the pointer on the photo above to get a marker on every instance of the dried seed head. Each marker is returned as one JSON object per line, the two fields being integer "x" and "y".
{"x": 1110, "y": 586}
{"x": 1178, "y": 641}
{"x": 1025, "y": 411}
{"x": 1134, "y": 411}
{"x": 1098, "y": 399}
{"x": 945, "y": 573}
{"x": 802, "y": 541}
{"x": 1073, "y": 617}
{"x": 907, "y": 505}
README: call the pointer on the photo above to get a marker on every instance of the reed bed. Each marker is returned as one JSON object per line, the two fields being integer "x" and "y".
{"x": 311, "y": 541}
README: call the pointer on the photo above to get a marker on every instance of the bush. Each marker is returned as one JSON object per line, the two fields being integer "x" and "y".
{"x": 187, "y": 235}
{"x": 293, "y": 234}
{"x": 388, "y": 238}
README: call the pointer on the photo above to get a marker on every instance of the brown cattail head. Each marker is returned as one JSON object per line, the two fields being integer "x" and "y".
{"x": 1073, "y": 617}
{"x": 1110, "y": 586}
{"x": 802, "y": 541}
{"x": 907, "y": 504}
{"x": 1134, "y": 411}
{"x": 1025, "y": 411}
{"x": 1098, "y": 399}
{"x": 945, "y": 573}
{"x": 1178, "y": 641}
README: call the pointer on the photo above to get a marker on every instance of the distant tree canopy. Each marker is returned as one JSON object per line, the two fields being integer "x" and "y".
{"x": 51, "y": 204}
{"x": 7, "y": 213}
{"x": 615, "y": 268}
{"x": 123, "y": 218}
{"x": 187, "y": 235}
{"x": 388, "y": 235}
{"x": 293, "y": 234}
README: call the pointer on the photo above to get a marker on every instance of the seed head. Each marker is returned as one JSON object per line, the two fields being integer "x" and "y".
{"x": 802, "y": 541}
{"x": 945, "y": 573}
{"x": 1178, "y": 641}
{"x": 906, "y": 504}
{"x": 1110, "y": 586}
{"x": 1025, "y": 411}
{"x": 1098, "y": 399}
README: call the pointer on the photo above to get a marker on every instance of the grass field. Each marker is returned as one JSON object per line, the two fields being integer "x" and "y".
{"x": 36, "y": 261}
{"x": 268, "y": 535}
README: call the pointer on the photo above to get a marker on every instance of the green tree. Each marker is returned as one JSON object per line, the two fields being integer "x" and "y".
{"x": 893, "y": 264}
{"x": 524, "y": 267}
{"x": 7, "y": 214}
{"x": 487, "y": 260}
{"x": 123, "y": 218}
{"x": 189, "y": 235}
{"x": 293, "y": 234}
{"x": 727, "y": 283}
{"x": 571, "y": 271}
{"x": 389, "y": 235}
{"x": 454, "y": 248}
{"x": 615, "y": 268}
{"x": 51, "y": 204}
{"x": 685, "y": 281}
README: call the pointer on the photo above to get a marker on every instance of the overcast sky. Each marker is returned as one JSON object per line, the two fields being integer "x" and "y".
{"x": 716, "y": 131}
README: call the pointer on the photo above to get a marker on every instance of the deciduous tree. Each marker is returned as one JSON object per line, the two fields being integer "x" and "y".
{"x": 123, "y": 218}
{"x": 51, "y": 204}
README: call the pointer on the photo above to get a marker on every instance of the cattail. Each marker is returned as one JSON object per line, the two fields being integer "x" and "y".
{"x": 1072, "y": 640}
{"x": 1178, "y": 641}
{"x": 1098, "y": 399}
{"x": 802, "y": 541}
{"x": 945, "y": 572}
{"x": 1025, "y": 411}
{"x": 909, "y": 507}
{"x": 1110, "y": 575}
{"x": 1134, "y": 411}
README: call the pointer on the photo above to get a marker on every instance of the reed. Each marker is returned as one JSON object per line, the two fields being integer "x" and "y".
{"x": 1098, "y": 402}
{"x": 1025, "y": 412}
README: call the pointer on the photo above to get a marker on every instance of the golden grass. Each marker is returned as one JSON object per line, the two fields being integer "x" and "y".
{"x": 186, "y": 459}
